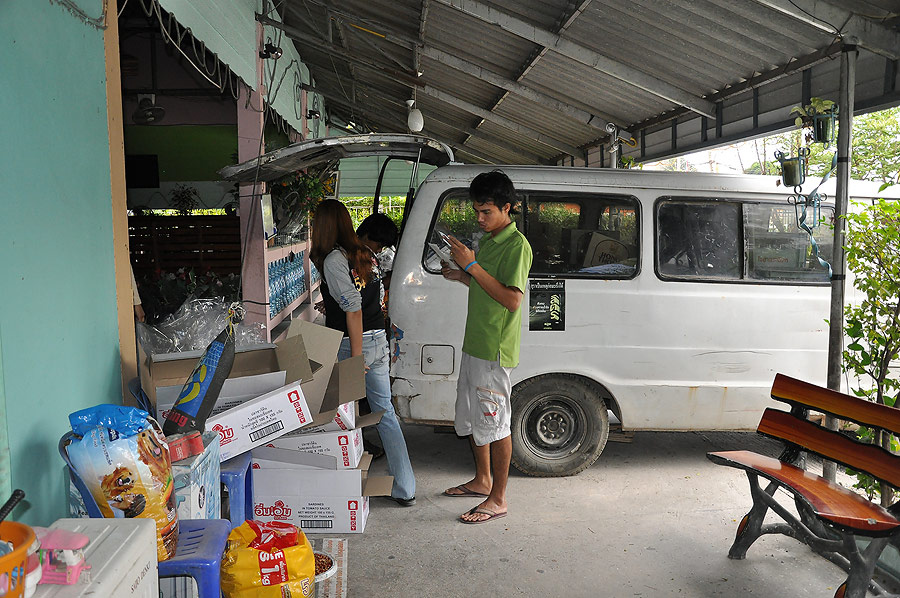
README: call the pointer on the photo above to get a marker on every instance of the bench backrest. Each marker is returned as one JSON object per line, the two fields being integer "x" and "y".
{"x": 795, "y": 429}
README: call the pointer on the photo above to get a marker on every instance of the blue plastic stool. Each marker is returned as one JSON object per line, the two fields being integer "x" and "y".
{"x": 237, "y": 477}
{"x": 201, "y": 543}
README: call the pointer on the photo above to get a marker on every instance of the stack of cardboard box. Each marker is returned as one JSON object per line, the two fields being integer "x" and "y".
{"x": 317, "y": 481}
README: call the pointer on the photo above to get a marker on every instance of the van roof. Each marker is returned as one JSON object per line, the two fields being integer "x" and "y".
{"x": 567, "y": 176}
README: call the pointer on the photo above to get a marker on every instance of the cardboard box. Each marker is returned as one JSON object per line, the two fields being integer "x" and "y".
{"x": 285, "y": 489}
{"x": 235, "y": 391}
{"x": 307, "y": 354}
{"x": 260, "y": 420}
{"x": 346, "y": 447}
{"x": 198, "y": 483}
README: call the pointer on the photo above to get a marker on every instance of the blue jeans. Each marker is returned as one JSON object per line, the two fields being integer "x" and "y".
{"x": 378, "y": 391}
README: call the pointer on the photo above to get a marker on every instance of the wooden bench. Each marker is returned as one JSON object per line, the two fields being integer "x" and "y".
{"x": 829, "y": 517}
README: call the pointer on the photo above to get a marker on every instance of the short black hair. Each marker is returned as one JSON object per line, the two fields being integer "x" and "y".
{"x": 496, "y": 188}
{"x": 378, "y": 228}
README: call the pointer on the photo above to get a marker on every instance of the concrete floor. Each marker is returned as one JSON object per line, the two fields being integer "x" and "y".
{"x": 651, "y": 518}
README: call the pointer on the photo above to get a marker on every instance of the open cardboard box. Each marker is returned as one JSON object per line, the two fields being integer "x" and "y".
{"x": 297, "y": 487}
{"x": 346, "y": 446}
{"x": 307, "y": 355}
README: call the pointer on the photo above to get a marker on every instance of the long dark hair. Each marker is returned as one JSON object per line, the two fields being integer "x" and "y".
{"x": 332, "y": 228}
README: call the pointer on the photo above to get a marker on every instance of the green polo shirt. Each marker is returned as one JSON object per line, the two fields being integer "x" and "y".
{"x": 490, "y": 328}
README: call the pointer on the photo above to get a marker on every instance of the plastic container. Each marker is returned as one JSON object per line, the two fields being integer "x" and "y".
{"x": 12, "y": 565}
{"x": 320, "y": 577}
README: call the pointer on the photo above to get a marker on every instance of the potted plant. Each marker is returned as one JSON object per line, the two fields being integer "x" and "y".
{"x": 184, "y": 198}
{"x": 293, "y": 197}
{"x": 793, "y": 169}
{"x": 818, "y": 118}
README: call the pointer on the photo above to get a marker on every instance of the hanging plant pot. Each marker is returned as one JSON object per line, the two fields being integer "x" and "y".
{"x": 823, "y": 127}
{"x": 793, "y": 169}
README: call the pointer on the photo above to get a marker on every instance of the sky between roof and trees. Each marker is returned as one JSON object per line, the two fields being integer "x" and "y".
{"x": 876, "y": 152}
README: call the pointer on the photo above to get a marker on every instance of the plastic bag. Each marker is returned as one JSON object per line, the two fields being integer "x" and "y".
{"x": 268, "y": 559}
{"x": 124, "y": 462}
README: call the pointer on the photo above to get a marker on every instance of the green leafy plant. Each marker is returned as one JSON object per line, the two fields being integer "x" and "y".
{"x": 162, "y": 292}
{"x": 294, "y": 197}
{"x": 873, "y": 325}
{"x": 805, "y": 113}
{"x": 184, "y": 198}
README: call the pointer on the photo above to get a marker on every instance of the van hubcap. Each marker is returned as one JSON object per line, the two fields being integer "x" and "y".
{"x": 554, "y": 427}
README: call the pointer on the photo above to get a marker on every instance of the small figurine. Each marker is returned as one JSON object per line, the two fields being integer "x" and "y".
{"x": 62, "y": 556}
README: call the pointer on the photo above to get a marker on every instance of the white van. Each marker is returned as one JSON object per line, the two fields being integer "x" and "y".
{"x": 669, "y": 299}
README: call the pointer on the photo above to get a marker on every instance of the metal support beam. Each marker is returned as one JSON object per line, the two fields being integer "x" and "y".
{"x": 500, "y": 120}
{"x": 583, "y": 55}
{"x": 404, "y": 77}
{"x": 597, "y": 121}
{"x": 838, "y": 260}
{"x": 832, "y": 18}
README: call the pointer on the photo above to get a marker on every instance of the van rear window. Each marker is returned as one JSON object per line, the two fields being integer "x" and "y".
{"x": 722, "y": 240}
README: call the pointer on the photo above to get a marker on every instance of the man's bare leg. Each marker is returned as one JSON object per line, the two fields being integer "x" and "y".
{"x": 500, "y": 457}
{"x": 482, "y": 480}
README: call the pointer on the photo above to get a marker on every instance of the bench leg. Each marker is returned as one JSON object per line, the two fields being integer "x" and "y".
{"x": 750, "y": 527}
{"x": 862, "y": 566}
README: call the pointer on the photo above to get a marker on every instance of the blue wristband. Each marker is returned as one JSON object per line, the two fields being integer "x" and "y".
{"x": 472, "y": 263}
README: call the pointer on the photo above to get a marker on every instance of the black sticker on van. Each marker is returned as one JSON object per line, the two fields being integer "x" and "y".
{"x": 547, "y": 308}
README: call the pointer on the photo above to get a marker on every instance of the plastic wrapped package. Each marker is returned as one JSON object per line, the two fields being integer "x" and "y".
{"x": 268, "y": 559}
{"x": 194, "y": 326}
{"x": 123, "y": 459}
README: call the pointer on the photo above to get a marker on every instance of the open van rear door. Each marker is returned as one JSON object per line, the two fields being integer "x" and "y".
{"x": 312, "y": 152}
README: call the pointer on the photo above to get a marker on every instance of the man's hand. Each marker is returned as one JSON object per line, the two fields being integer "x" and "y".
{"x": 462, "y": 255}
{"x": 453, "y": 273}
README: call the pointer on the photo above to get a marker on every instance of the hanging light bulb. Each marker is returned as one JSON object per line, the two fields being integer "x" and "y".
{"x": 414, "y": 119}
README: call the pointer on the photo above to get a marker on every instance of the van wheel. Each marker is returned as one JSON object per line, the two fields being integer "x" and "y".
{"x": 559, "y": 426}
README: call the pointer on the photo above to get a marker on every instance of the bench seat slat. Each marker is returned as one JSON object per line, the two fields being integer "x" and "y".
{"x": 831, "y": 502}
{"x": 797, "y": 392}
{"x": 832, "y": 445}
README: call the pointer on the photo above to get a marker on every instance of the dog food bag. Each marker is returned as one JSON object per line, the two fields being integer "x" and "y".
{"x": 266, "y": 559}
{"x": 124, "y": 461}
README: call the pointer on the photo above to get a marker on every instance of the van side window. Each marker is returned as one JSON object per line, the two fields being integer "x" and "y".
{"x": 779, "y": 251}
{"x": 736, "y": 241}
{"x": 585, "y": 235}
{"x": 457, "y": 218}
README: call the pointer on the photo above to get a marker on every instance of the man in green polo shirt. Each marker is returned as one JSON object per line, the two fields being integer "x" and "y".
{"x": 496, "y": 277}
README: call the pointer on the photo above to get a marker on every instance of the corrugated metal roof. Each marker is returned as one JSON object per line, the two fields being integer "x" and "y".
{"x": 513, "y": 81}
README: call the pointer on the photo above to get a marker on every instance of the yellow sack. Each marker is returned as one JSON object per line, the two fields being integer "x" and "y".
{"x": 268, "y": 559}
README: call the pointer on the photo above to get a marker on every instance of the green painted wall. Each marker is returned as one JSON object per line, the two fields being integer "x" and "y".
{"x": 58, "y": 323}
{"x": 185, "y": 152}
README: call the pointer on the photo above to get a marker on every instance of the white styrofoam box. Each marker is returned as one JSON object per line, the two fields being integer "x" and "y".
{"x": 260, "y": 420}
{"x": 235, "y": 391}
{"x": 122, "y": 556}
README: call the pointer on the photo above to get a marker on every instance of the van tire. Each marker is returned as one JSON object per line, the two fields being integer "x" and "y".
{"x": 560, "y": 425}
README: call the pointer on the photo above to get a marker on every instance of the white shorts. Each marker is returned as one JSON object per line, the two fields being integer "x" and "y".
{"x": 482, "y": 400}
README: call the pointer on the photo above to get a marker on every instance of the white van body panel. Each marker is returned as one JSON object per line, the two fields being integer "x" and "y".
{"x": 668, "y": 355}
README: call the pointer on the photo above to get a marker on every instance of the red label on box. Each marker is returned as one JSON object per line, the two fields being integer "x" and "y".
{"x": 276, "y": 511}
{"x": 226, "y": 433}
{"x": 272, "y": 568}
{"x": 294, "y": 397}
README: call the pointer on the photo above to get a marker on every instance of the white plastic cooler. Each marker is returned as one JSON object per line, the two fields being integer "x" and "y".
{"x": 122, "y": 556}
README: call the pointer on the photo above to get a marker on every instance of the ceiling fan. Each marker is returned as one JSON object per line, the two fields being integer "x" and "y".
{"x": 148, "y": 112}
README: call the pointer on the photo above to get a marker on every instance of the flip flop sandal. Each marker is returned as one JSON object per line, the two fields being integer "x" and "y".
{"x": 491, "y": 515}
{"x": 464, "y": 492}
